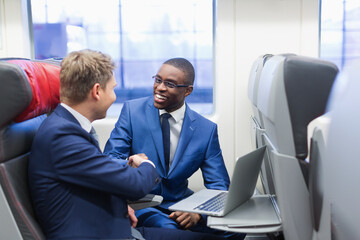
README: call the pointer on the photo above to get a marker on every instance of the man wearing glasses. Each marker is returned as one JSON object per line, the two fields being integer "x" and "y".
{"x": 178, "y": 141}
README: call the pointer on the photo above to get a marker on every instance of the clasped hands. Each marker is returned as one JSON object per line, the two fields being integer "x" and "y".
{"x": 185, "y": 219}
{"x": 136, "y": 160}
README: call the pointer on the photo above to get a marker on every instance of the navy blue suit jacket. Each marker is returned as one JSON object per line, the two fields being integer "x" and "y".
{"x": 78, "y": 192}
{"x": 138, "y": 130}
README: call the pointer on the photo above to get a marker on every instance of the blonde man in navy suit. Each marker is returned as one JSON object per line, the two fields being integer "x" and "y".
{"x": 78, "y": 192}
{"x": 194, "y": 144}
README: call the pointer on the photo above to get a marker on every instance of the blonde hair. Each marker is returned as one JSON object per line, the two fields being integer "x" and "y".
{"x": 80, "y": 70}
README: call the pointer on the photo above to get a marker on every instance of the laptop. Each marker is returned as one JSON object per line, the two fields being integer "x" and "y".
{"x": 242, "y": 187}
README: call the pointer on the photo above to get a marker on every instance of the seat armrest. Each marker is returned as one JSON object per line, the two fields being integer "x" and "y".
{"x": 150, "y": 200}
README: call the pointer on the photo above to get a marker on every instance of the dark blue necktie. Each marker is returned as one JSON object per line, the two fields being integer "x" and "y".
{"x": 165, "y": 127}
{"x": 93, "y": 133}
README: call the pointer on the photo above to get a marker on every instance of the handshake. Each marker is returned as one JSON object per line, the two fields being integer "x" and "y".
{"x": 135, "y": 160}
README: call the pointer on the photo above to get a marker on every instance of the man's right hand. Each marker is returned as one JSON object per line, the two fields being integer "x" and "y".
{"x": 137, "y": 159}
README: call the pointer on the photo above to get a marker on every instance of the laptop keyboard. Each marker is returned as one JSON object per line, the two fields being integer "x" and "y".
{"x": 214, "y": 204}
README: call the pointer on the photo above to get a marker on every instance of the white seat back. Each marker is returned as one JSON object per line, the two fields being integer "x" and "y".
{"x": 341, "y": 156}
{"x": 293, "y": 90}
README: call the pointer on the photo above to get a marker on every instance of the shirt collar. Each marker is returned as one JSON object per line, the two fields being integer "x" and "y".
{"x": 84, "y": 122}
{"x": 177, "y": 114}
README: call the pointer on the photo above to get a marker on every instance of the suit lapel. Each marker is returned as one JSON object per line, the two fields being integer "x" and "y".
{"x": 152, "y": 116}
{"x": 64, "y": 113}
{"x": 186, "y": 134}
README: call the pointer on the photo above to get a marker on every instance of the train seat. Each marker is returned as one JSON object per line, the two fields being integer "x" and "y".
{"x": 257, "y": 124}
{"x": 340, "y": 157}
{"x": 293, "y": 90}
{"x": 29, "y": 90}
{"x": 253, "y": 85}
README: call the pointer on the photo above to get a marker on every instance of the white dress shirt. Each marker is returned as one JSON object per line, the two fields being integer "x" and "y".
{"x": 84, "y": 122}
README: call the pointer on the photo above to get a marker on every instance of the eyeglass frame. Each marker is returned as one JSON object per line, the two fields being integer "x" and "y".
{"x": 169, "y": 84}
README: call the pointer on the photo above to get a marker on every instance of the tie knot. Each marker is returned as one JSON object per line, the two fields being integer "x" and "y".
{"x": 92, "y": 131}
{"x": 166, "y": 115}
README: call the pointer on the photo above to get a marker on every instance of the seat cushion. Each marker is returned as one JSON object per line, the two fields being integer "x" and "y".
{"x": 13, "y": 180}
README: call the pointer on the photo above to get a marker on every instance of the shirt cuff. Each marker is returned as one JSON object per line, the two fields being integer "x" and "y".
{"x": 148, "y": 161}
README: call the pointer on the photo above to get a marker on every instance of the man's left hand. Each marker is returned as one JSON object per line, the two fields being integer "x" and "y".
{"x": 133, "y": 218}
{"x": 185, "y": 219}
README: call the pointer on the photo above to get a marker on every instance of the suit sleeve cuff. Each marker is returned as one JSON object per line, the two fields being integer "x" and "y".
{"x": 148, "y": 161}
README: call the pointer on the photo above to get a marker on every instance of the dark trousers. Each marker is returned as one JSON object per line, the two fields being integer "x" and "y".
{"x": 175, "y": 234}
{"x": 159, "y": 218}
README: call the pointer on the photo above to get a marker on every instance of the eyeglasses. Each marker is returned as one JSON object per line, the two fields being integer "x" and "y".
{"x": 167, "y": 83}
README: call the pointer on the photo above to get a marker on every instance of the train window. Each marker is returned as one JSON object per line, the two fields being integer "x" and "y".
{"x": 138, "y": 34}
{"x": 340, "y": 31}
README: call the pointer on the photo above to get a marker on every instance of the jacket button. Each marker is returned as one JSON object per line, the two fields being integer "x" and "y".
{"x": 157, "y": 180}
{"x": 126, "y": 215}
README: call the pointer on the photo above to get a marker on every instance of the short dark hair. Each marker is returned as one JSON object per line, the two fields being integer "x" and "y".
{"x": 80, "y": 70}
{"x": 185, "y": 66}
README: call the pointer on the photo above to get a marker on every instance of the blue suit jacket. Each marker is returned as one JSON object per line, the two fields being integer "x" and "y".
{"x": 138, "y": 130}
{"x": 78, "y": 192}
